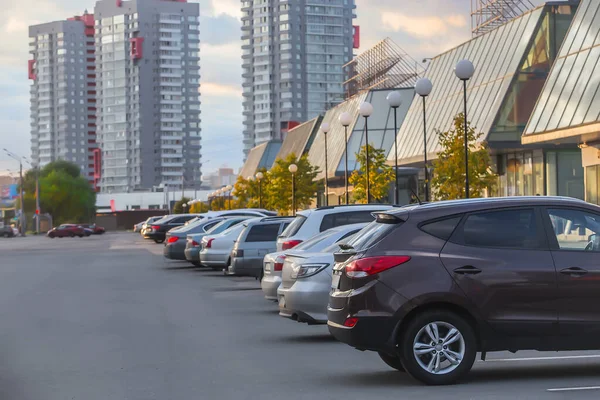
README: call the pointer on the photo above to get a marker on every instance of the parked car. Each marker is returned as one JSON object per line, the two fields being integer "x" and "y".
{"x": 257, "y": 239}
{"x": 310, "y": 222}
{"x": 87, "y": 232}
{"x": 146, "y": 225}
{"x": 7, "y": 231}
{"x": 66, "y": 230}
{"x": 175, "y": 242}
{"x": 138, "y": 227}
{"x": 273, "y": 262}
{"x": 216, "y": 250}
{"x": 96, "y": 230}
{"x": 431, "y": 285}
{"x": 158, "y": 230}
{"x": 193, "y": 242}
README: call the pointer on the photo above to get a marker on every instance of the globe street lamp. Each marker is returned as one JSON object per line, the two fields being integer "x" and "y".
{"x": 346, "y": 120}
{"x": 184, "y": 206}
{"x": 423, "y": 89}
{"x": 325, "y": 130}
{"x": 366, "y": 109}
{"x": 259, "y": 178}
{"x": 464, "y": 70}
{"x": 293, "y": 168}
{"x": 395, "y": 100}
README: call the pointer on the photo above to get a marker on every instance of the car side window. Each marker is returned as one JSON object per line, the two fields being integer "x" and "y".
{"x": 575, "y": 229}
{"x": 263, "y": 233}
{"x": 346, "y": 218}
{"x": 443, "y": 228}
{"x": 514, "y": 229}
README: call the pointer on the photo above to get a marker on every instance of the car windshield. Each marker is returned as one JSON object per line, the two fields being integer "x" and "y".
{"x": 232, "y": 229}
{"x": 294, "y": 227}
{"x": 223, "y": 225}
{"x": 318, "y": 242}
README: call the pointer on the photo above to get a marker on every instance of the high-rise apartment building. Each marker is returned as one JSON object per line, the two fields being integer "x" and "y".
{"x": 148, "y": 100}
{"x": 293, "y": 52}
{"x": 63, "y": 93}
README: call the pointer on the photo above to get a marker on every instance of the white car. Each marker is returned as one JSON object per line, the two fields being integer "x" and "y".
{"x": 273, "y": 263}
{"x": 216, "y": 250}
{"x": 308, "y": 223}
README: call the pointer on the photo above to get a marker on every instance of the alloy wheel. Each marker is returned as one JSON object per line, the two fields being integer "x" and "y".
{"x": 439, "y": 348}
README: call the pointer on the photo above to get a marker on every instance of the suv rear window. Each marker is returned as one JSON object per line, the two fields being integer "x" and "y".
{"x": 263, "y": 233}
{"x": 370, "y": 235}
{"x": 346, "y": 218}
{"x": 294, "y": 227}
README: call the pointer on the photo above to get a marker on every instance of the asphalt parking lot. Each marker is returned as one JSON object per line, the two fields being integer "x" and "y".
{"x": 107, "y": 317}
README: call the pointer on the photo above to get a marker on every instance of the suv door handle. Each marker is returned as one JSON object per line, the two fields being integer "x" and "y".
{"x": 575, "y": 272}
{"x": 467, "y": 270}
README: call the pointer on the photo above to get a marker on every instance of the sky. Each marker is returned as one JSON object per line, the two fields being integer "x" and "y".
{"x": 423, "y": 28}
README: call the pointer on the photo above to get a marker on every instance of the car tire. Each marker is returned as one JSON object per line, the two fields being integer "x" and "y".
{"x": 461, "y": 347}
{"x": 7, "y": 235}
{"x": 196, "y": 264}
{"x": 159, "y": 241}
{"x": 392, "y": 361}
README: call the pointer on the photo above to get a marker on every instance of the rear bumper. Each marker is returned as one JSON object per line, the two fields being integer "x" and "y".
{"x": 212, "y": 259}
{"x": 270, "y": 283}
{"x": 369, "y": 333}
{"x": 246, "y": 266}
{"x": 306, "y": 300}
{"x": 174, "y": 251}
{"x": 155, "y": 235}
{"x": 192, "y": 254}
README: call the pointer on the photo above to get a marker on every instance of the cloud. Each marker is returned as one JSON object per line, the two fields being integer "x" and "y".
{"x": 423, "y": 27}
{"x": 221, "y": 29}
{"x": 215, "y": 89}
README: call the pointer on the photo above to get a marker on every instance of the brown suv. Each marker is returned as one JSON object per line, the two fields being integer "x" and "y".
{"x": 429, "y": 286}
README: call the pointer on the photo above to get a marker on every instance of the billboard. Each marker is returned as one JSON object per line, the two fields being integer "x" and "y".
{"x": 8, "y": 196}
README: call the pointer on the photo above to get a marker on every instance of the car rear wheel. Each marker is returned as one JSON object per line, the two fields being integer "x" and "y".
{"x": 438, "y": 347}
{"x": 196, "y": 264}
{"x": 72, "y": 235}
{"x": 159, "y": 241}
{"x": 392, "y": 361}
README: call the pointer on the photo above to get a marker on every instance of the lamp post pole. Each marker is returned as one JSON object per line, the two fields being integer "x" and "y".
{"x": 259, "y": 178}
{"x": 228, "y": 189}
{"x": 395, "y": 100}
{"x": 464, "y": 70}
{"x": 346, "y": 120}
{"x": 423, "y": 89}
{"x": 366, "y": 109}
{"x": 325, "y": 130}
{"x": 22, "y": 219}
{"x": 293, "y": 169}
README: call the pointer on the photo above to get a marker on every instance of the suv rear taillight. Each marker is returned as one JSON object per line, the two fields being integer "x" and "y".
{"x": 364, "y": 267}
{"x": 155, "y": 227}
{"x": 209, "y": 243}
{"x": 290, "y": 244}
{"x": 173, "y": 239}
{"x": 278, "y": 265}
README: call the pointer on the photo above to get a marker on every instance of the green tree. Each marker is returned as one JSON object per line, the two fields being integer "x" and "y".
{"x": 449, "y": 169}
{"x": 178, "y": 208}
{"x": 381, "y": 175}
{"x": 277, "y": 185}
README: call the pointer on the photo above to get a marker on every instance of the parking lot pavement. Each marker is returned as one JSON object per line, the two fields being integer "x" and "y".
{"x": 107, "y": 317}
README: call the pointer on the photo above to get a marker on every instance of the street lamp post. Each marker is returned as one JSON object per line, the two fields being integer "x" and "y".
{"x": 395, "y": 100}
{"x": 184, "y": 206}
{"x": 259, "y": 178}
{"x": 293, "y": 168}
{"x": 346, "y": 120}
{"x": 325, "y": 130}
{"x": 22, "y": 220}
{"x": 464, "y": 70}
{"x": 366, "y": 109}
{"x": 423, "y": 89}
{"x": 38, "y": 212}
{"x": 228, "y": 201}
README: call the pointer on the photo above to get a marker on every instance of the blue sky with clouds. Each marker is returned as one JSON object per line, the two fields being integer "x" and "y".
{"x": 423, "y": 28}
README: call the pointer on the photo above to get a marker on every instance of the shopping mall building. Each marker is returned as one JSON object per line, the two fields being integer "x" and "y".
{"x": 535, "y": 97}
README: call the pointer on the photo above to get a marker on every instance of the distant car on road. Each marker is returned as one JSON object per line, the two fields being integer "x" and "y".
{"x": 7, "y": 231}
{"x": 96, "y": 230}
{"x": 138, "y": 227}
{"x": 146, "y": 224}
{"x": 66, "y": 230}
{"x": 216, "y": 250}
{"x": 176, "y": 239}
{"x": 158, "y": 230}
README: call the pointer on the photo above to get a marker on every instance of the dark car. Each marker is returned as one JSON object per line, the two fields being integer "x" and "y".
{"x": 66, "y": 230}
{"x": 176, "y": 239}
{"x": 429, "y": 286}
{"x": 96, "y": 230}
{"x": 158, "y": 230}
{"x": 7, "y": 231}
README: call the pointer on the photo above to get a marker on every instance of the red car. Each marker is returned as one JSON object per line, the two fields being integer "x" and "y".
{"x": 96, "y": 230}
{"x": 66, "y": 230}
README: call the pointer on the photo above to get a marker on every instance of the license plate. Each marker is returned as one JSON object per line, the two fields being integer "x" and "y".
{"x": 335, "y": 281}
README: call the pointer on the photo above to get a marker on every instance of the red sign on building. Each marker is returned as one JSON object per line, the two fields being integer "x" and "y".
{"x": 356, "y": 36}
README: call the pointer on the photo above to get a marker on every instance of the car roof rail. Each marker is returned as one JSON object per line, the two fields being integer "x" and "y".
{"x": 354, "y": 205}
{"x": 265, "y": 219}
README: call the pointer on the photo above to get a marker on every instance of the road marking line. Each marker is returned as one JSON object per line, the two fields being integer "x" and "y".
{"x": 574, "y": 389}
{"x": 541, "y": 358}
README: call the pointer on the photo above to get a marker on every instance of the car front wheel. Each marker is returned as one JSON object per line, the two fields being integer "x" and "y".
{"x": 438, "y": 347}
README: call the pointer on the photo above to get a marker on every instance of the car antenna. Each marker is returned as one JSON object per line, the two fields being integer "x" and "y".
{"x": 417, "y": 197}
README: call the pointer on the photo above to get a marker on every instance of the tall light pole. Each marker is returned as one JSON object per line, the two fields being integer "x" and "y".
{"x": 366, "y": 109}
{"x": 293, "y": 168}
{"x": 228, "y": 190}
{"x": 38, "y": 212}
{"x": 325, "y": 130}
{"x": 395, "y": 100}
{"x": 464, "y": 70}
{"x": 259, "y": 178}
{"x": 346, "y": 120}
{"x": 17, "y": 158}
{"x": 423, "y": 89}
